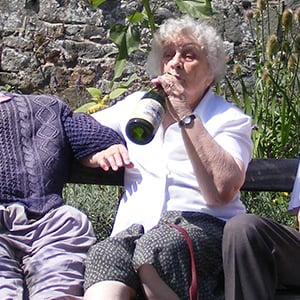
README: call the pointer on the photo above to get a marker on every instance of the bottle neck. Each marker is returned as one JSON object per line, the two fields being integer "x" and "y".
{"x": 157, "y": 93}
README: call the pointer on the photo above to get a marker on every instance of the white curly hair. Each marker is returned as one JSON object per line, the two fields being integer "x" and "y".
{"x": 204, "y": 33}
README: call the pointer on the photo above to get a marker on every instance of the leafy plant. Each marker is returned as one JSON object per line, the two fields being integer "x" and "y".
{"x": 274, "y": 97}
{"x": 273, "y": 101}
{"x": 127, "y": 38}
{"x": 195, "y": 8}
{"x": 98, "y": 101}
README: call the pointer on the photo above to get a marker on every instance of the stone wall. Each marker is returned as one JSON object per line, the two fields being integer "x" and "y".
{"x": 62, "y": 47}
{"x": 54, "y": 46}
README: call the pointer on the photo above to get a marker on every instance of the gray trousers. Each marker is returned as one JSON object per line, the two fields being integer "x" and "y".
{"x": 259, "y": 255}
{"x": 43, "y": 259}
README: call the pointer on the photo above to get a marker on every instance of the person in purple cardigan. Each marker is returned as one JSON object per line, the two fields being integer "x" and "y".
{"x": 43, "y": 242}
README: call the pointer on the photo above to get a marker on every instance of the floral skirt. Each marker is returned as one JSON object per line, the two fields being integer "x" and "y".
{"x": 119, "y": 257}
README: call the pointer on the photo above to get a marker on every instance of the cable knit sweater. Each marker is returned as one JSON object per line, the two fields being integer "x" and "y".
{"x": 39, "y": 137}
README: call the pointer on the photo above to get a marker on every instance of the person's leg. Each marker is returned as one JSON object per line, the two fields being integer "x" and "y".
{"x": 13, "y": 245}
{"x": 109, "y": 272}
{"x": 113, "y": 290}
{"x": 55, "y": 267}
{"x": 11, "y": 277}
{"x": 259, "y": 254}
{"x": 154, "y": 287}
{"x": 166, "y": 250}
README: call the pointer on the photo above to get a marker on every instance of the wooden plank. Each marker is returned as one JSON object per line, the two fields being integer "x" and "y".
{"x": 271, "y": 175}
{"x": 84, "y": 175}
{"x": 262, "y": 175}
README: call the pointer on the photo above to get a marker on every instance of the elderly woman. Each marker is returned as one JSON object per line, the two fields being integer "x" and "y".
{"x": 189, "y": 175}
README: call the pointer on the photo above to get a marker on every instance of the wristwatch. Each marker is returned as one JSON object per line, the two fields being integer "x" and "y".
{"x": 186, "y": 121}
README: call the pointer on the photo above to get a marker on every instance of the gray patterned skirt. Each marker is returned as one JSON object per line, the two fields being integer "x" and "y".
{"x": 119, "y": 257}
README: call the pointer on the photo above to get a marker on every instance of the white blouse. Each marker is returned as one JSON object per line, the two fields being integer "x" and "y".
{"x": 162, "y": 178}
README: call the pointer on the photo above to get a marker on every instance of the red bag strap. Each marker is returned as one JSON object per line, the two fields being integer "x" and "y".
{"x": 193, "y": 291}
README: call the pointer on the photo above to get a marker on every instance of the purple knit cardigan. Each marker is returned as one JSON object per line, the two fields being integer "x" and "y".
{"x": 39, "y": 137}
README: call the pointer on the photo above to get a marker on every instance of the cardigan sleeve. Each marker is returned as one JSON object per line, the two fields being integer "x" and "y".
{"x": 87, "y": 136}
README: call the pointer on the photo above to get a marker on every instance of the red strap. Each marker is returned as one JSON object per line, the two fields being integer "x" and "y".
{"x": 193, "y": 291}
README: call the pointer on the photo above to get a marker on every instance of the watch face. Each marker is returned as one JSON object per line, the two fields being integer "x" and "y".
{"x": 187, "y": 120}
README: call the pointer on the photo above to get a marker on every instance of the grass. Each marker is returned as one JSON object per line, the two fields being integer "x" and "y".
{"x": 99, "y": 203}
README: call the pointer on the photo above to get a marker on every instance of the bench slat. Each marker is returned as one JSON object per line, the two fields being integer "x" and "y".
{"x": 277, "y": 175}
{"x": 262, "y": 175}
{"x": 85, "y": 175}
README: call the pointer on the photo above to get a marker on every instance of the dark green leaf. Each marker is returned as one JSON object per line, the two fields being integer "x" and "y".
{"x": 196, "y": 8}
{"x": 85, "y": 107}
{"x": 95, "y": 93}
{"x": 132, "y": 40}
{"x": 131, "y": 79}
{"x": 96, "y": 3}
{"x": 117, "y": 92}
{"x": 119, "y": 68}
{"x": 117, "y": 34}
{"x": 136, "y": 17}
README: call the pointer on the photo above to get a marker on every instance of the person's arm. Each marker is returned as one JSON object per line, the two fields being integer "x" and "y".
{"x": 218, "y": 173}
{"x": 87, "y": 136}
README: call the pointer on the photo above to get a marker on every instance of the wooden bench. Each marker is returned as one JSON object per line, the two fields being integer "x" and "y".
{"x": 276, "y": 175}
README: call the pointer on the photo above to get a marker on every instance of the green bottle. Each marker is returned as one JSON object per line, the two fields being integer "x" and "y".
{"x": 146, "y": 117}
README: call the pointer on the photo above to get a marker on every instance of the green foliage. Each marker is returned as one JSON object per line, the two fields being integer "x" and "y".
{"x": 271, "y": 205}
{"x": 96, "y": 3}
{"x": 127, "y": 38}
{"x": 9, "y": 88}
{"x": 196, "y": 8}
{"x": 99, "y": 203}
{"x": 273, "y": 101}
{"x": 100, "y": 102}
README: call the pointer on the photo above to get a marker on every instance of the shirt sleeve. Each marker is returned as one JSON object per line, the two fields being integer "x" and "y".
{"x": 294, "y": 203}
{"x": 87, "y": 136}
{"x": 228, "y": 125}
{"x": 235, "y": 137}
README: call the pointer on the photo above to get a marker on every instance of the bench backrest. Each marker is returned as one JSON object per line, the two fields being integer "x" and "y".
{"x": 262, "y": 175}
